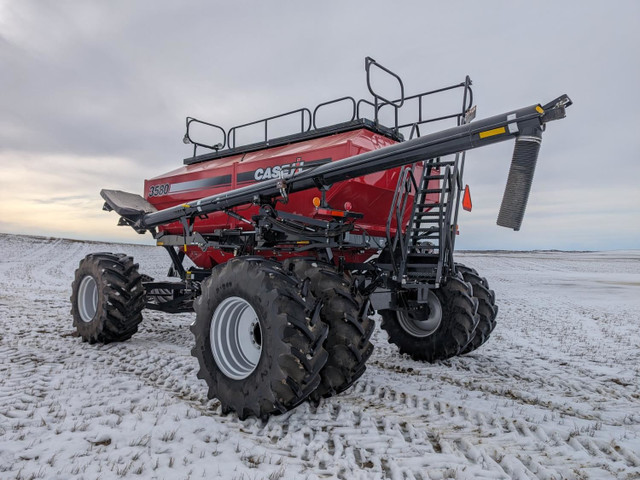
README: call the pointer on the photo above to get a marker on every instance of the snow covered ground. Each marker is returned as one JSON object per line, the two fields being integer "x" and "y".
{"x": 553, "y": 395}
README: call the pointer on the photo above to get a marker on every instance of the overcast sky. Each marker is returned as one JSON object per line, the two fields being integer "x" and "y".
{"x": 94, "y": 95}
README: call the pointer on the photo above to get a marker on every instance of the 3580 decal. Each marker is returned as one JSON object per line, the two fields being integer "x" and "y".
{"x": 158, "y": 190}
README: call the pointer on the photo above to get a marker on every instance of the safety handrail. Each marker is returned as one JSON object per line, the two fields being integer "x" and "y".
{"x": 467, "y": 102}
{"x": 330, "y": 102}
{"x": 360, "y": 102}
{"x": 368, "y": 62}
{"x": 396, "y": 104}
{"x": 232, "y": 131}
{"x": 188, "y": 140}
{"x": 308, "y": 119}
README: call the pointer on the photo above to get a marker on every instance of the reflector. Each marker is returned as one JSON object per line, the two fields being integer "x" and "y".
{"x": 466, "y": 199}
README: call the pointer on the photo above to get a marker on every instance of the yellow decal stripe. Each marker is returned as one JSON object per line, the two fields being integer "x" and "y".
{"x": 491, "y": 133}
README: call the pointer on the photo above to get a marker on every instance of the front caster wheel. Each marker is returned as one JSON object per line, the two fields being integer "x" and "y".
{"x": 257, "y": 340}
{"x": 107, "y": 298}
{"x": 437, "y": 330}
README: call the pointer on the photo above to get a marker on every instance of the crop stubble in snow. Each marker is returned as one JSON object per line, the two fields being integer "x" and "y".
{"x": 554, "y": 394}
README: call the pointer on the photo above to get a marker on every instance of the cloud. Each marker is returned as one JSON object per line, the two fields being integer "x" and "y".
{"x": 59, "y": 194}
{"x": 95, "y": 95}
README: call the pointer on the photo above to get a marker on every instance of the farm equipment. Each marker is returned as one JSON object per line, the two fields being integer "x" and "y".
{"x": 296, "y": 239}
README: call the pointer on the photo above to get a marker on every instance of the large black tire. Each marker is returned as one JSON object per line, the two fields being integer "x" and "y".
{"x": 107, "y": 298}
{"x": 440, "y": 340}
{"x": 487, "y": 308}
{"x": 285, "y": 330}
{"x": 346, "y": 313}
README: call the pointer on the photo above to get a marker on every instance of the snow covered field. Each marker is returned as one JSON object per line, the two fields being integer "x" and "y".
{"x": 553, "y": 395}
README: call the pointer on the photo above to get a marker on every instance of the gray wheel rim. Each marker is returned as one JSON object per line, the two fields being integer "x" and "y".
{"x": 414, "y": 325}
{"x": 88, "y": 299}
{"x": 235, "y": 338}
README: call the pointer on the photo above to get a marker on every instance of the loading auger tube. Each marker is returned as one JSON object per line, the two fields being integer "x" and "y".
{"x": 525, "y": 124}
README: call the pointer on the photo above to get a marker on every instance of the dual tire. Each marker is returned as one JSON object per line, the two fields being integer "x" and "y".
{"x": 270, "y": 336}
{"x": 457, "y": 319}
{"x": 487, "y": 308}
{"x": 107, "y": 298}
{"x": 346, "y": 313}
{"x": 258, "y": 340}
{"x": 438, "y": 330}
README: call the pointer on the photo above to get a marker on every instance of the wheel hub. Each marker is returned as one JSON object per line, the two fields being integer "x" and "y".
{"x": 88, "y": 299}
{"x": 235, "y": 338}
{"x": 414, "y": 322}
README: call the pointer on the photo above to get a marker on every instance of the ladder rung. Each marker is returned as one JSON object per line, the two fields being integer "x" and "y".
{"x": 426, "y": 220}
{"x": 421, "y": 274}
{"x": 421, "y": 266}
{"x": 424, "y": 255}
{"x": 440, "y": 164}
{"x": 434, "y": 228}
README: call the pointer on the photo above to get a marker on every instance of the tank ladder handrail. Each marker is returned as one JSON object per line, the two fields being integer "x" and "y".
{"x": 406, "y": 185}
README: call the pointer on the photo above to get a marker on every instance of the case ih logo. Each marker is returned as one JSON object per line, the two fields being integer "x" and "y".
{"x": 286, "y": 170}
{"x": 280, "y": 171}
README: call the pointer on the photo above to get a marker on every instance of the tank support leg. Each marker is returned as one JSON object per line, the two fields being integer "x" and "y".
{"x": 176, "y": 261}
